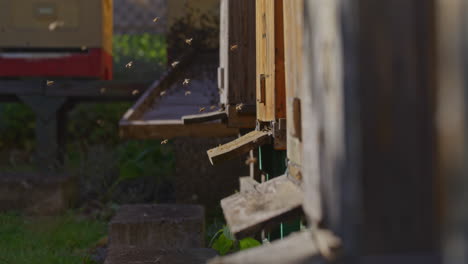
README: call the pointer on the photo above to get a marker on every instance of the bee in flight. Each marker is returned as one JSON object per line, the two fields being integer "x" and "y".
{"x": 174, "y": 64}
{"x": 186, "y": 81}
{"x": 189, "y": 41}
{"x": 129, "y": 65}
{"x": 50, "y": 83}
{"x": 202, "y": 109}
{"x": 135, "y": 92}
{"x": 188, "y": 93}
{"x": 164, "y": 141}
{"x": 156, "y": 19}
{"x": 234, "y": 47}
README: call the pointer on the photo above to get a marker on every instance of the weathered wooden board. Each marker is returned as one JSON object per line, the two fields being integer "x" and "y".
{"x": 297, "y": 248}
{"x": 396, "y": 88}
{"x": 239, "y": 146}
{"x": 202, "y": 118}
{"x": 237, "y": 51}
{"x": 293, "y": 34}
{"x": 270, "y": 83}
{"x": 247, "y": 183}
{"x": 168, "y": 129}
{"x": 247, "y": 211}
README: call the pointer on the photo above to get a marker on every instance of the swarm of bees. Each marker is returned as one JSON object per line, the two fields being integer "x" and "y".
{"x": 50, "y": 83}
{"x": 129, "y": 65}
{"x": 56, "y": 24}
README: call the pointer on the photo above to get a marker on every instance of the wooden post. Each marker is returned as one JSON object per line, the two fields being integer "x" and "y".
{"x": 452, "y": 103}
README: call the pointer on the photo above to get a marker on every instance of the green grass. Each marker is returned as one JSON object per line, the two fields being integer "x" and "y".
{"x": 62, "y": 240}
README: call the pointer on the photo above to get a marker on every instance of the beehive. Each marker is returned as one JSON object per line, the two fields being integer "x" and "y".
{"x": 66, "y": 38}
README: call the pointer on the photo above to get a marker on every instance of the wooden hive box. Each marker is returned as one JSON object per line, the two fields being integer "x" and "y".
{"x": 68, "y": 38}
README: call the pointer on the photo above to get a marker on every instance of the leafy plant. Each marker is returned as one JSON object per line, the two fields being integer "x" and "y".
{"x": 224, "y": 242}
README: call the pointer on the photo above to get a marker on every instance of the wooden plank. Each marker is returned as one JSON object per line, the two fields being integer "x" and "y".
{"x": 270, "y": 63}
{"x": 242, "y": 53}
{"x": 169, "y": 129}
{"x": 330, "y": 126}
{"x": 145, "y": 102}
{"x": 201, "y": 118}
{"x": 247, "y": 211}
{"x": 239, "y": 146}
{"x": 293, "y": 38}
{"x": 247, "y": 183}
{"x": 301, "y": 247}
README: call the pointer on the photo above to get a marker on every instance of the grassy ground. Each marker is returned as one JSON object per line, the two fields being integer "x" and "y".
{"x": 63, "y": 240}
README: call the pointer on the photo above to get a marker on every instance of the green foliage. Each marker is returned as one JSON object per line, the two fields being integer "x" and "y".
{"x": 148, "y": 53}
{"x": 16, "y": 126}
{"x": 224, "y": 242}
{"x": 56, "y": 240}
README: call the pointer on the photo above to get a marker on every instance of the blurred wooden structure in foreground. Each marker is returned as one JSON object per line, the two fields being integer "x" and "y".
{"x": 366, "y": 100}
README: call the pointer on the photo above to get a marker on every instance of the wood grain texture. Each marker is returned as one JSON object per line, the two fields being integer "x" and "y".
{"x": 239, "y": 146}
{"x": 270, "y": 62}
{"x": 293, "y": 37}
{"x": 246, "y": 210}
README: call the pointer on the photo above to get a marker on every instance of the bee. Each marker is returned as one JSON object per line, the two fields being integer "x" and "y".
{"x": 186, "y": 81}
{"x": 102, "y": 90}
{"x": 188, "y": 93}
{"x": 174, "y": 64}
{"x": 164, "y": 141}
{"x": 50, "y": 83}
{"x": 250, "y": 160}
{"x": 99, "y": 122}
{"x": 83, "y": 48}
{"x": 189, "y": 41}
{"x": 129, "y": 65}
{"x": 135, "y": 92}
{"x": 213, "y": 107}
{"x": 56, "y": 24}
{"x": 156, "y": 19}
{"x": 162, "y": 93}
{"x": 201, "y": 109}
{"x": 239, "y": 106}
{"x": 234, "y": 47}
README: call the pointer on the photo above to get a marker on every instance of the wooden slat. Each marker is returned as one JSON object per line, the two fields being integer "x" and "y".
{"x": 298, "y": 248}
{"x": 169, "y": 129}
{"x": 201, "y": 118}
{"x": 239, "y": 146}
{"x": 270, "y": 63}
{"x": 247, "y": 211}
{"x": 247, "y": 183}
{"x": 293, "y": 35}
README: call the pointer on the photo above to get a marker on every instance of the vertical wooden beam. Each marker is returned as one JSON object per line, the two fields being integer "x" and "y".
{"x": 271, "y": 103}
{"x": 452, "y": 127}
